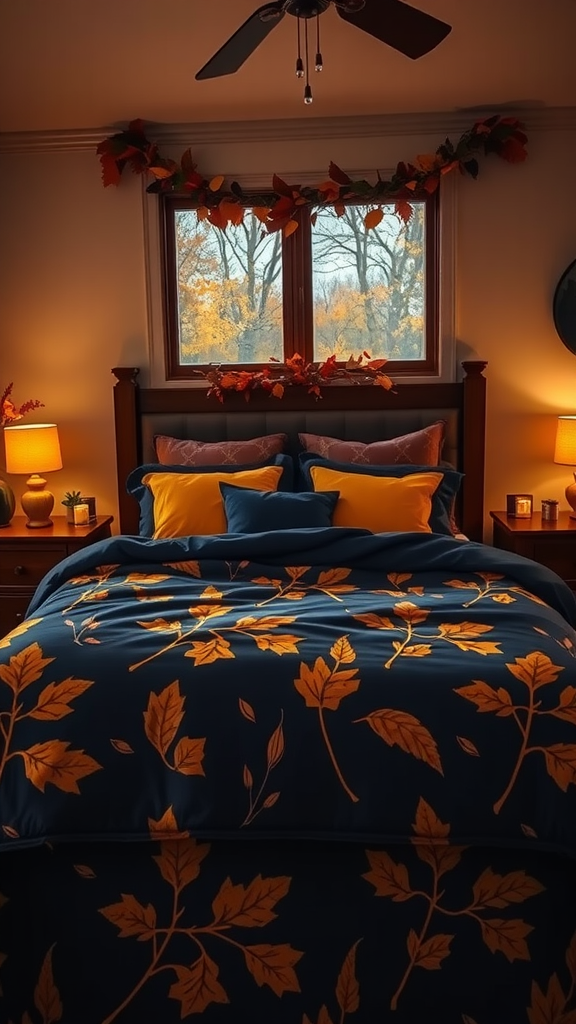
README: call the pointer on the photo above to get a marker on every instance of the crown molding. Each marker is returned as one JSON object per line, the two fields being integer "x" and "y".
{"x": 292, "y": 130}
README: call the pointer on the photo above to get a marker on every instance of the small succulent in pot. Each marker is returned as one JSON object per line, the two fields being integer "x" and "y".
{"x": 70, "y": 499}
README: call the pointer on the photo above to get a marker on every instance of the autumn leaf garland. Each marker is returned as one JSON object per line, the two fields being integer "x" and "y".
{"x": 278, "y": 207}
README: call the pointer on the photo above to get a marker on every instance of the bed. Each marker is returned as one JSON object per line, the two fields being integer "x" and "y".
{"x": 309, "y": 776}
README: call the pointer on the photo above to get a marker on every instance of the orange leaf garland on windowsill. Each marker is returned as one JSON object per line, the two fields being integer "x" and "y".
{"x": 295, "y": 372}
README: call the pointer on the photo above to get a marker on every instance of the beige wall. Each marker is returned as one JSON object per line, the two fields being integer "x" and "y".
{"x": 73, "y": 292}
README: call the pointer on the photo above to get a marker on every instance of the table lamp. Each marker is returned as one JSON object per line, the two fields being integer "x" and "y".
{"x": 34, "y": 449}
{"x": 565, "y": 454}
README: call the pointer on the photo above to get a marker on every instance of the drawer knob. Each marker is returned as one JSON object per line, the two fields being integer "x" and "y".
{"x": 19, "y": 570}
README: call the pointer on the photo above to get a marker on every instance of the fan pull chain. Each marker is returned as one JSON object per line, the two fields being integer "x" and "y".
{"x": 299, "y": 62}
{"x": 319, "y": 66}
{"x": 308, "y": 98}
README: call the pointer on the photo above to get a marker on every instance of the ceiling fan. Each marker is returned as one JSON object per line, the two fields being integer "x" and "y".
{"x": 404, "y": 28}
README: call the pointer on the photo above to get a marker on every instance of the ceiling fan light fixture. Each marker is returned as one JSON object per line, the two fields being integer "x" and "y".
{"x": 319, "y": 62}
{"x": 398, "y": 24}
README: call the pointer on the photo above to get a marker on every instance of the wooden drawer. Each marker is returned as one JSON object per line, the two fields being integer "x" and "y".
{"x": 13, "y": 609}
{"x": 25, "y": 566}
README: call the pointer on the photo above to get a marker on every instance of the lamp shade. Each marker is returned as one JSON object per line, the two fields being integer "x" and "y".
{"x": 565, "y": 449}
{"x": 33, "y": 448}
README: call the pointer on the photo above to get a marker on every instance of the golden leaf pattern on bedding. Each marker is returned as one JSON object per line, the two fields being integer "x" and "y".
{"x": 136, "y": 581}
{"x": 166, "y": 827}
{"x": 217, "y": 647}
{"x": 234, "y": 906}
{"x": 396, "y": 579}
{"x": 198, "y": 986}
{"x": 491, "y": 890}
{"x": 274, "y": 754}
{"x": 51, "y": 761}
{"x": 329, "y": 582}
{"x": 19, "y": 630}
{"x": 461, "y": 634}
{"x": 87, "y": 626}
{"x": 536, "y": 670}
{"x": 253, "y": 749}
{"x": 490, "y": 588}
{"x": 398, "y": 728}
{"x": 324, "y": 688}
{"x": 47, "y": 1000}
{"x": 162, "y": 719}
{"x": 46, "y": 996}
{"x": 191, "y": 567}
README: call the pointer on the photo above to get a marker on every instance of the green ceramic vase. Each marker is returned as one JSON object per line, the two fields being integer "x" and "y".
{"x": 7, "y": 503}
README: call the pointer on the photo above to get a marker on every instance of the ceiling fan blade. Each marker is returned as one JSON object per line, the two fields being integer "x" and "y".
{"x": 402, "y": 27}
{"x": 245, "y": 40}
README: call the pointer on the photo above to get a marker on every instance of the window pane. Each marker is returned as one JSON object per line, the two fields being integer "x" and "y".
{"x": 229, "y": 291}
{"x": 369, "y": 286}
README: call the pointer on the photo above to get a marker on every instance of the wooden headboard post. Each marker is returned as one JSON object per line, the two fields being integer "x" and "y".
{"x": 128, "y": 451}
{"x": 134, "y": 407}
{"x": 473, "y": 442}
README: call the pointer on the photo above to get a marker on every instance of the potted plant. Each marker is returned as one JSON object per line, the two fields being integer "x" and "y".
{"x": 70, "y": 499}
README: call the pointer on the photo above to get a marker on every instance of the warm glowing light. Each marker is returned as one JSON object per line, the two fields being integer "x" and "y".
{"x": 565, "y": 448}
{"x": 33, "y": 448}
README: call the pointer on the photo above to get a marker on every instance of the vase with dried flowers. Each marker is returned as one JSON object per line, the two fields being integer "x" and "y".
{"x": 9, "y": 413}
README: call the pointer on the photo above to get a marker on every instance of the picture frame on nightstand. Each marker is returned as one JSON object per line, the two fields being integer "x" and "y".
{"x": 91, "y": 502}
{"x": 519, "y": 506}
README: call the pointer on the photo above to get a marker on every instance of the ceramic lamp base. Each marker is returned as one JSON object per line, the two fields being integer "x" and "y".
{"x": 38, "y": 503}
{"x": 571, "y": 497}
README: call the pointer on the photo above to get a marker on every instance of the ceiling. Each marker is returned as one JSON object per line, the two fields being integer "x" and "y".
{"x": 75, "y": 64}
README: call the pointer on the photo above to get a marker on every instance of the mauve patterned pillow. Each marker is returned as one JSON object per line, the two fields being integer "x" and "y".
{"x": 171, "y": 451}
{"x": 421, "y": 448}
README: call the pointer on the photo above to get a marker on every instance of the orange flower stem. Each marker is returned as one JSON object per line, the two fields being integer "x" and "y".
{"x": 431, "y": 908}
{"x": 3, "y": 729}
{"x": 253, "y": 804}
{"x": 333, "y": 758}
{"x": 278, "y": 595}
{"x": 84, "y": 596}
{"x": 169, "y": 647}
{"x": 8, "y": 734}
{"x": 329, "y": 594}
{"x": 481, "y": 593}
{"x": 404, "y": 644}
{"x": 215, "y": 930}
{"x": 152, "y": 968}
{"x": 523, "y": 751}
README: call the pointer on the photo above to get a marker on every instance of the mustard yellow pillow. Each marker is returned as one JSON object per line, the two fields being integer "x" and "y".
{"x": 380, "y": 504}
{"x": 191, "y": 503}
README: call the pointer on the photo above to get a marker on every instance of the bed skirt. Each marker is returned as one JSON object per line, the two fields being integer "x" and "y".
{"x": 285, "y": 932}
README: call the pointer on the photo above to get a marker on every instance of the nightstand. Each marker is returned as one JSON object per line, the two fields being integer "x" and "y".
{"x": 27, "y": 555}
{"x": 551, "y": 543}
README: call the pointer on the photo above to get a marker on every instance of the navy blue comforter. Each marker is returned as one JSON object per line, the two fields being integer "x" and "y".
{"x": 319, "y": 684}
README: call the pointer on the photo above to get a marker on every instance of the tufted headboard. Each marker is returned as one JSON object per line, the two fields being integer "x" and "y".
{"x": 345, "y": 411}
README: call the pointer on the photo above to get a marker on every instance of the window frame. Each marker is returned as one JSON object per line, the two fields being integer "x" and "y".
{"x": 297, "y": 290}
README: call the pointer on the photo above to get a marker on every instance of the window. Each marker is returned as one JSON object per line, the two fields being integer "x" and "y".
{"x": 244, "y": 296}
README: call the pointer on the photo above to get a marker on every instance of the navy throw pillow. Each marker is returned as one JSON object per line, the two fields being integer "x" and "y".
{"x": 145, "y": 498}
{"x": 251, "y": 511}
